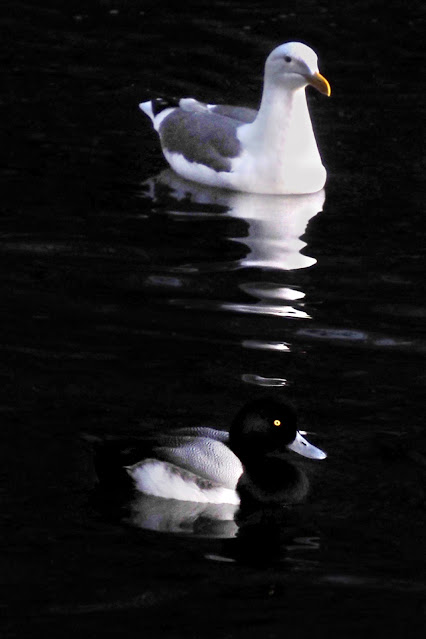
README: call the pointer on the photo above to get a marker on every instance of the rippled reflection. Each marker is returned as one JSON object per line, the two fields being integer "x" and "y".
{"x": 261, "y": 530}
{"x": 272, "y": 237}
{"x": 263, "y": 536}
{"x": 258, "y": 380}
{"x": 266, "y": 345}
{"x": 276, "y": 222}
{"x": 183, "y": 517}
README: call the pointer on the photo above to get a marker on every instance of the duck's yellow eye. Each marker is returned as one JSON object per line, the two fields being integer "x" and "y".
{"x": 277, "y": 422}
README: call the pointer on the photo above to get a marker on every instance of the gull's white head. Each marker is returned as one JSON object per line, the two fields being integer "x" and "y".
{"x": 295, "y": 65}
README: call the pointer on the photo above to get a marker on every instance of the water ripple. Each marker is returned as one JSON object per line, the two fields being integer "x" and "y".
{"x": 361, "y": 338}
{"x": 257, "y": 380}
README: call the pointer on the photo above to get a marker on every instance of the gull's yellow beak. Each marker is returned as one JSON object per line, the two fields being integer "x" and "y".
{"x": 320, "y": 83}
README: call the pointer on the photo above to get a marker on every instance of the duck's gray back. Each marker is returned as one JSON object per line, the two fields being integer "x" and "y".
{"x": 197, "y": 431}
{"x": 206, "y": 457}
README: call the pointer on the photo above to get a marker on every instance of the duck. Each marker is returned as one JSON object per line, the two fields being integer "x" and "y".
{"x": 271, "y": 150}
{"x": 212, "y": 466}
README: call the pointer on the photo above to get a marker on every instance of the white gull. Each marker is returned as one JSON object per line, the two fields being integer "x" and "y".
{"x": 272, "y": 150}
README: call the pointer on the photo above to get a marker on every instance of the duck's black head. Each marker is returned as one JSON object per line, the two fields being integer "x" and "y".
{"x": 262, "y": 427}
{"x": 268, "y": 426}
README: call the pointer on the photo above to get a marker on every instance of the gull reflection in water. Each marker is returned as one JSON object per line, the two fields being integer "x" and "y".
{"x": 275, "y": 222}
{"x": 275, "y": 225}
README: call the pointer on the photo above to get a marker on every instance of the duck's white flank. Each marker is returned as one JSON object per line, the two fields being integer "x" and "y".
{"x": 163, "y": 479}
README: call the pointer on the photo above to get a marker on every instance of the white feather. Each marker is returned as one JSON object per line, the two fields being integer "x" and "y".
{"x": 162, "y": 479}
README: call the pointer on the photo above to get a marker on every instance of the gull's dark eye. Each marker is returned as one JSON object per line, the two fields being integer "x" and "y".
{"x": 287, "y": 58}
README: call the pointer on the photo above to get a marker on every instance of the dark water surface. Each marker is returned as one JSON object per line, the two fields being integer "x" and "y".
{"x": 130, "y": 302}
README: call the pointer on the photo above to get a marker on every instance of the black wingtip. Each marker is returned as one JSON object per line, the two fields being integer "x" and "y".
{"x": 159, "y": 104}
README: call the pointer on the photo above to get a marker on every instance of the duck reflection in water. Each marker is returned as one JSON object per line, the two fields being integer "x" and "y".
{"x": 206, "y": 482}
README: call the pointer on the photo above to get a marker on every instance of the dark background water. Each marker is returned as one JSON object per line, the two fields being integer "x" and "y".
{"x": 122, "y": 312}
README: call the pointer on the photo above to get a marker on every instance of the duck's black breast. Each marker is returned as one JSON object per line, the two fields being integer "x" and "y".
{"x": 273, "y": 480}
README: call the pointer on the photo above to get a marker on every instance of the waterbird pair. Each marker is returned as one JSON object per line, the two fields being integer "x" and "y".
{"x": 269, "y": 151}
